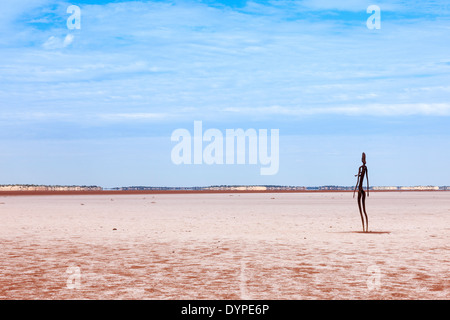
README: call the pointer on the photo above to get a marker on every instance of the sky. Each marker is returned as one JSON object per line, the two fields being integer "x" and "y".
{"x": 98, "y": 105}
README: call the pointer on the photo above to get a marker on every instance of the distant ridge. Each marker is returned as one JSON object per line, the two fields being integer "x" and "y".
{"x": 213, "y": 188}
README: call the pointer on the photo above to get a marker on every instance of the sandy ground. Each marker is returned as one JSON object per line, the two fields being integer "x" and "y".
{"x": 225, "y": 246}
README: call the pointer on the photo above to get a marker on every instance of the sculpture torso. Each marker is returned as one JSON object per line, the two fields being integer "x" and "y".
{"x": 362, "y": 173}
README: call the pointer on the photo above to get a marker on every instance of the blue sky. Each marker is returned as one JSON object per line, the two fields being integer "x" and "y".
{"x": 98, "y": 105}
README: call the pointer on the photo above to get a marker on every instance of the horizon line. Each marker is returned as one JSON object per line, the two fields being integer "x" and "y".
{"x": 222, "y": 186}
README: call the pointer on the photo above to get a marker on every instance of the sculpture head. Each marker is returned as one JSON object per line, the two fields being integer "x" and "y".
{"x": 363, "y": 159}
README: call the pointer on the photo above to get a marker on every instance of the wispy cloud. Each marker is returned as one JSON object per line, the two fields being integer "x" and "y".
{"x": 137, "y": 61}
{"x": 127, "y": 117}
{"x": 377, "y": 110}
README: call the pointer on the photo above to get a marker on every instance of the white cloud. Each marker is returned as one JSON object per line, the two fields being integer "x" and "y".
{"x": 57, "y": 43}
{"x": 68, "y": 40}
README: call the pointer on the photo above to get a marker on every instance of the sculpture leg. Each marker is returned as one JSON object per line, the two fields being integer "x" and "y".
{"x": 359, "y": 206}
{"x": 364, "y": 208}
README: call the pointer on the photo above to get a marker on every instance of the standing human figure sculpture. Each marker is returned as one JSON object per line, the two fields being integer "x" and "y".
{"x": 362, "y": 172}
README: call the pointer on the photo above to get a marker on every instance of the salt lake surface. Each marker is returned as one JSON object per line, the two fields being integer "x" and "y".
{"x": 225, "y": 246}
